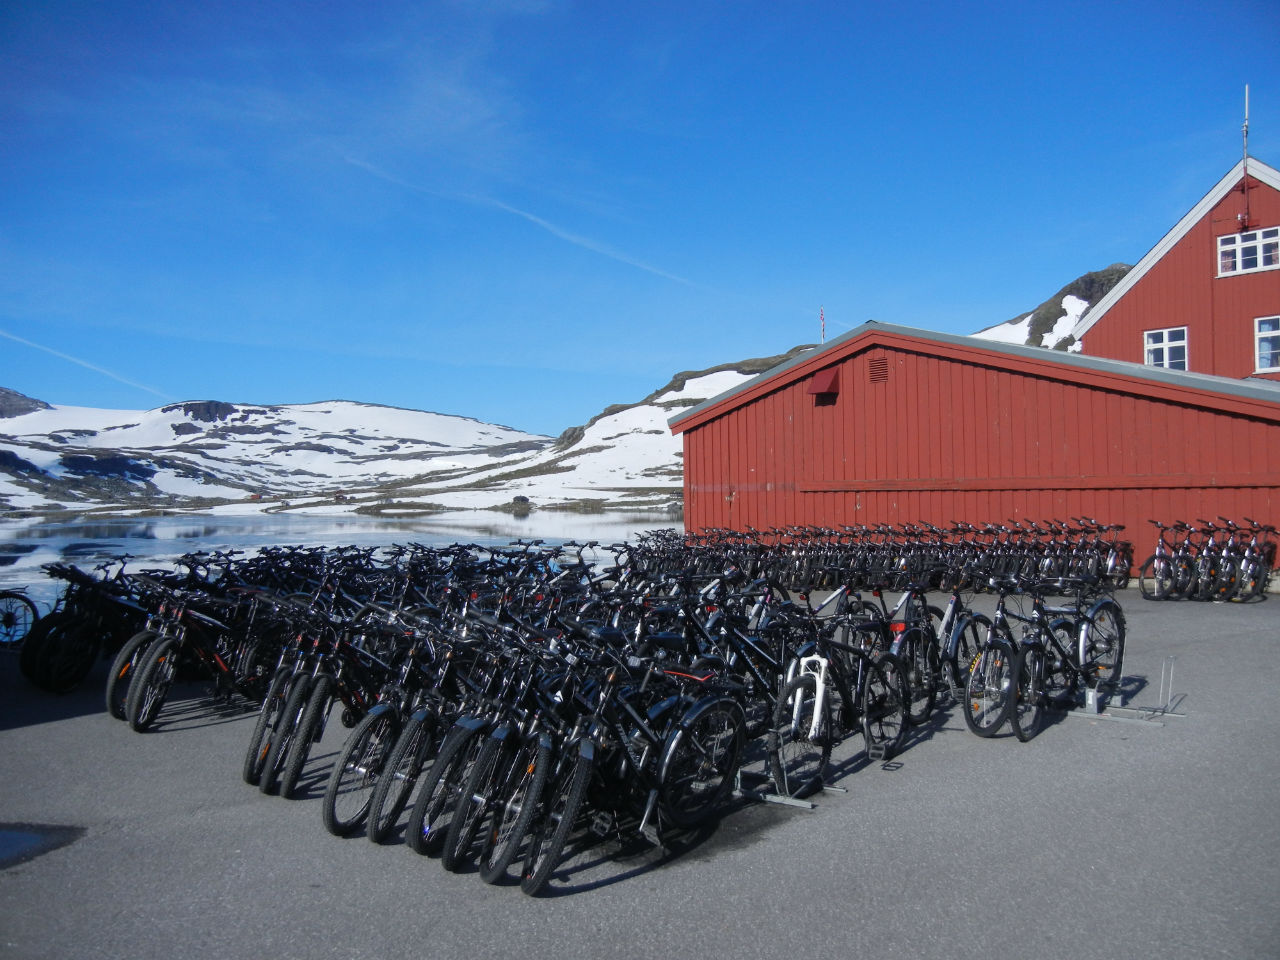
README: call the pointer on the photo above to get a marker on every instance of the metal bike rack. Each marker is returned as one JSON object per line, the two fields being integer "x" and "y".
{"x": 1139, "y": 714}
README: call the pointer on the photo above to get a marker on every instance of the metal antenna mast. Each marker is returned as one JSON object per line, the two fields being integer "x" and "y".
{"x": 1244, "y": 163}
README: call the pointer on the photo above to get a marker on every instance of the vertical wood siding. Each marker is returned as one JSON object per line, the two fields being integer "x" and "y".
{"x": 943, "y": 440}
{"x": 1184, "y": 289}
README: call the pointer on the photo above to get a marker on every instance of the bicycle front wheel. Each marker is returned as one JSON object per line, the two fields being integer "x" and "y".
{"x": 800, "y": 739}
{"x": 1026, "y": 713}
{"x": 357, "y": 771}
{"x": 990, "y": 687}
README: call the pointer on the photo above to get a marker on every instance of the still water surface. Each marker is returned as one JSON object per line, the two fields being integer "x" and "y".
{"x": 155, "y": 541}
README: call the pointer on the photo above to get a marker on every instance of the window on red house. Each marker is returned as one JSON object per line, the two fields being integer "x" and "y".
{"x": 1249, "y": 252}
{"x": 1166, "y": 348}
{"x": 1267, "y": 335}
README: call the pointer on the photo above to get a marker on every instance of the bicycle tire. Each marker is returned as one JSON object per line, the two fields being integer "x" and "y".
{"x": 123, "y": 670}
{"x": 282, "y": 732}
{"x": 920, "y": 663}
{"x": 255, "y": 757}
{"x": 988, "y": 693}
{"x": 17, "y": 616}
{"x": 548, "y": 839}
{"x": 307, "y": 733}
{"x": 348, "y": 795}
{"x": 700, "y": 761}
{"x": 1102, "y": 636}
{"x": 473, "y": 806}
{"x": 1027, "y": 710}
{"x": 429, "y": 819}
{"x": 884, "y": 712}
{"x": 411, "y": 752}
{"x": 514, "y": 813}
{"x": 1156, "y": 578}
{"x": 150, "y": 689}
{"x": 800, "y": 739}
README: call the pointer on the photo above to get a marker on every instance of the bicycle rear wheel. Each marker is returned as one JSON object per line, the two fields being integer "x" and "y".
{"x": 884, "y": 711}
{"x": 123, "y": 671}
{"x": 17, "y": 614}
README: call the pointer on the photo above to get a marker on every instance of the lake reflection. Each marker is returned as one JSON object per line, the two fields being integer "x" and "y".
{"x": 154, "y": 541}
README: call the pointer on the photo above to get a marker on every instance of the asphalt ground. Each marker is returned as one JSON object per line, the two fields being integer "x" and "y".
{"x": 1101, "y": 838}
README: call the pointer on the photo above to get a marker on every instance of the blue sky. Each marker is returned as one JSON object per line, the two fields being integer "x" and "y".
{"x": 525, "y": 211}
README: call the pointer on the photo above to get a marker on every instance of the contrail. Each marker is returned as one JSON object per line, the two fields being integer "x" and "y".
{"x": 84, "y": 363}
{"x": 585, "y": 242}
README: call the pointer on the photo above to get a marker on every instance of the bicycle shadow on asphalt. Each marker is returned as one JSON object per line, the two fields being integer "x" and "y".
{"x": 22, "y": 704}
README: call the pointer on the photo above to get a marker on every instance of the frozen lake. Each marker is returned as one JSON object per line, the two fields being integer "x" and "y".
{"x": 154, "y": 541}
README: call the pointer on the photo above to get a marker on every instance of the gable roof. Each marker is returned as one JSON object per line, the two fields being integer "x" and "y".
{"x": 1257, "y": 169}
{"x": 1252, "y": 398}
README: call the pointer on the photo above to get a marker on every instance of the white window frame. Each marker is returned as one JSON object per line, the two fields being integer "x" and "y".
{"x": 1157, "y": 342}
{"x": 1259, "y": 335}
{"x": 1261, "y": 247}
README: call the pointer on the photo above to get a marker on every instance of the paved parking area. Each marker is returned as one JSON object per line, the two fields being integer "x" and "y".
{"x": 1099, "y": 839}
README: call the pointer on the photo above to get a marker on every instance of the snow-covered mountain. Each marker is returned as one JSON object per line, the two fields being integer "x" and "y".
{"x": 1051, "y": 323}
{"x": 340, "y": 456}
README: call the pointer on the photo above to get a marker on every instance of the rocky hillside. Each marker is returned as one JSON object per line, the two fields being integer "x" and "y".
{"x": 1051, "y": 323}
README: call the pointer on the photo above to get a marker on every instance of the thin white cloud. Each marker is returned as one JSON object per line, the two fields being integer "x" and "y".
{"x": 577, "y": 240}
{"x": 84, "y": 363}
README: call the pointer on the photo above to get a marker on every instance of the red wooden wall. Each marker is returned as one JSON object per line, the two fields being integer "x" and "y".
{"x": 966, "y": 434}
{"x": 1183, "y": 289}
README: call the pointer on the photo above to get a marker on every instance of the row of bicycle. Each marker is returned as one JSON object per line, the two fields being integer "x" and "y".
{"x": 802, "y": 557}
{"x": 521, "y": 709}
{"x": 1219, "y": 561}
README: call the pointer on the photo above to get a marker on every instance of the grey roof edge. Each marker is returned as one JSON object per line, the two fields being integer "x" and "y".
{"x": 1257, "y": 169}
{"x": 1267, "y": 391}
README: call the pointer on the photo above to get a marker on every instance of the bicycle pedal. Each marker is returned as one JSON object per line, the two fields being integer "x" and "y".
{"x": 876, "y": 751}
{"x": 650, "y": 833}
{"x": 602, "y": 823}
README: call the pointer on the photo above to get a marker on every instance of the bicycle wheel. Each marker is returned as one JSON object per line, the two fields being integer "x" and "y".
{"x": 919, "y": 656}
{"x": 356, "y": 772}
{"x": 549, "y": 836}
{"x": 17, "y": 614}
{"x": 800, "y": 739}
{"x": 988, "y": 693}
{"x": 965, "y": 643}
{"x": 474, "y": 804}
{"x": 514, "y": 812}
{"x": 433, "y": 808}
{"x": 260, "y": 740}
{"x": 123, "y": 669}
{"x": 59, "y": 652}
{"x": 412, "y": 751}
{"x": 282, "y": 732}
{"x": 884, "y": 711}
{"x": 1102, "y": 635}
{"x": 1026, "y": 713}
{"x": 150, "y": 688}
{"x": 310, "y": 726}
{"x": 700, "y": 762}
{"x": 1156, "y": 577}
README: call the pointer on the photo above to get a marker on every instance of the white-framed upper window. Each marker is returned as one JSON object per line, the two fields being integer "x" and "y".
{"x": 1266, "y": 335}
{"x": 1249, "y": 252}
{"x": 1165, "y": 348}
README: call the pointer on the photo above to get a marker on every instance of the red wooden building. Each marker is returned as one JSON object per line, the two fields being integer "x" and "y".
{"x": 1207, "y": 296}
{"x": 1171, "y": 410}
{"x": 893, "y": 424}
